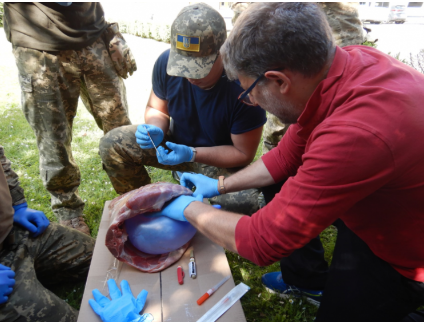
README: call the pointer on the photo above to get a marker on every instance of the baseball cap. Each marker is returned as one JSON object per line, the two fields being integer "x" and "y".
{"x": 197, "y": 34}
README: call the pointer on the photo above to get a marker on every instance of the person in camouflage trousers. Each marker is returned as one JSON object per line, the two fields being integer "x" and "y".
{"x": 127, "y": 170}
{"x": 35, "y": 254}
{"x": 347, "y": 30}
{"x": 55, "y": 69}
{"x": 193, "y": 115}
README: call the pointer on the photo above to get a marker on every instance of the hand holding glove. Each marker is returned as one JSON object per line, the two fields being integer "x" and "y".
{"x": 7, "y": 281}
{"x": 175, "y": 208}
{"x": 123, "y": 307}
{"x": 205, "y": 186}
{"x": 181, "y": 153}
{"x": 34, "y": 221}
{"x": 142, "y": 137}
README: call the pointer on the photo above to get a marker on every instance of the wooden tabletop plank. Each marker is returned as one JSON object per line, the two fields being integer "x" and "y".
{"x": 179, "y": 301}
{"x": 167, "y": 299}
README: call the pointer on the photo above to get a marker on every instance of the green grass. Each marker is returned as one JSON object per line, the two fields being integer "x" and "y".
{"x": 20, "y": 146}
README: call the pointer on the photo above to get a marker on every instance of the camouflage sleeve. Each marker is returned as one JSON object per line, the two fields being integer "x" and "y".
{"x": 16, "y": 191}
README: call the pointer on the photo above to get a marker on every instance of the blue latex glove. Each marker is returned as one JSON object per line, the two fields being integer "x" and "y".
{"x": 143, "y": 139}
{"x": 34, "y": 221}
{"x": 181, "y": 153}
{"x": 7, "y": 281}
{"x": 205, "y": 186}
{"x": 175, "y": 208}
{"x": 123, "y": 307}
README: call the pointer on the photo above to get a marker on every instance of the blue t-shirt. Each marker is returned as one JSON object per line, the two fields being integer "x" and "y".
{"x": 204, "y": 117}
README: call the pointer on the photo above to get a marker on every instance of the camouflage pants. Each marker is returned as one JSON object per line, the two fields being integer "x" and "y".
{"x": 124, "y": 162}
{"x": 58, "y": 255}
{"x": 51, "y": 84}
{"x": 274, "y": 130}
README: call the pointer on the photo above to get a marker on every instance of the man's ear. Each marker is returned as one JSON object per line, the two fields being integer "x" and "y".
{"x": 281, "y": 79}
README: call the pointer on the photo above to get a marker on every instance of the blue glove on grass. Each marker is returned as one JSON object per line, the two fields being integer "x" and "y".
{"x": 143, "y": 139}
{"x": 205, "y": 186}
{"x": 123, "y": 307}
{"x": 181, "y": 153}
{"x": 7, "y": 281}
{"x": 34, "y": 221}
{"x": 175, "y": 208}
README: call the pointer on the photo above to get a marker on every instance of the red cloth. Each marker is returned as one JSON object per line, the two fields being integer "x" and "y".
{"x": 357, "y": 154}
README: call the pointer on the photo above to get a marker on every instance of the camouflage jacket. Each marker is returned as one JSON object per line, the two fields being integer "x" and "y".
{"x": 10, "y": 194}
{"x": 16, "y": 191}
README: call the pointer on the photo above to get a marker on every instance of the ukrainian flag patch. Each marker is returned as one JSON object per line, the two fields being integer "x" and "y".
{"x": 188, "y": 43}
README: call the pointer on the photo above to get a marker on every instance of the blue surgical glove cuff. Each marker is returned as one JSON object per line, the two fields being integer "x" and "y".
{"x": 22, "y": 205}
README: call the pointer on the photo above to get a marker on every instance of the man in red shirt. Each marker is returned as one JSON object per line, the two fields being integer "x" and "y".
{"x": 347, "y": 156}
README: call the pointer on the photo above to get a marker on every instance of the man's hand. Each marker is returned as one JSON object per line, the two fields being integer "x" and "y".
{"x": 142, "y": 137}
{"x": 181, "y": 153}
{"x": 205, "y": 186}
{"x": 123, "y": 307}
{"x": 7, "y": 281}
{"x": 34, "y": 221}
{"x": 175, "y": 208}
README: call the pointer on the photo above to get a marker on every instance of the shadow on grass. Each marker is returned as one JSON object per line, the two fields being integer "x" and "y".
{"x": 71, "y": 293}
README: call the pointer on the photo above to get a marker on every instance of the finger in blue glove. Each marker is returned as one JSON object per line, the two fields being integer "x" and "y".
{"x": 34, "y": 221}
{"x": 7, "y": 281}
{"x": 205, "y": 186}
{"x": 175, "y": 208}
{"x": 122, "y": 307}
{"x": 181, "y": 153}
{"x": 142, "y": 136}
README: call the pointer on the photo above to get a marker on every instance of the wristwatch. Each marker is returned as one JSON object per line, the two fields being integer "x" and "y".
{"x": 221, "y": 188}
{"x": 194, "y": 154}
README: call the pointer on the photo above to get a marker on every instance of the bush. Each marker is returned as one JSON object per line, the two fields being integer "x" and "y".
{"x": 147, "y": 29}
{"x": 1, "y": 14}
{"x": 417, "y": 62}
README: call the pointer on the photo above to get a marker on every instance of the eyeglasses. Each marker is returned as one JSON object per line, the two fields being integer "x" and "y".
{"x": 245, "y": 97}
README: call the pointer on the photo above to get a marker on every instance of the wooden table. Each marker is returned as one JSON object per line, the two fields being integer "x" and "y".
{"x": 167, "y": 300}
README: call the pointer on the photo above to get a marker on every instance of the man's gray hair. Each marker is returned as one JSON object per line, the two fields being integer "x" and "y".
{"x": 287, "y": 35}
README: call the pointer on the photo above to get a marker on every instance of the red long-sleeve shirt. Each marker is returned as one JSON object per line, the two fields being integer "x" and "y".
{"x": 356, "y": 153}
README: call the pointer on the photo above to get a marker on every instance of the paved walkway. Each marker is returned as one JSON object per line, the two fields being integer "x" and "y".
{"x": 145, "y": 51}
{"x": 139, "y": 85}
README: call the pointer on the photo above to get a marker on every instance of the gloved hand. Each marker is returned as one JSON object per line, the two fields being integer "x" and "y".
{"x": 175, "y": 208}
{"x": 123, "y": 307}
{"x": 143, "y": 139}
{"x": 205, "y": 186}
{"x": 181, "y": 153}
{"x": 7, "y": 281}
{"x": 34, "y": 221}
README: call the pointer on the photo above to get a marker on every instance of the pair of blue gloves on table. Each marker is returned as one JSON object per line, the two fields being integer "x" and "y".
{"x": 123, "y": 306}
{"x": 180, "y": 153}
{"x": 36, "y": 223}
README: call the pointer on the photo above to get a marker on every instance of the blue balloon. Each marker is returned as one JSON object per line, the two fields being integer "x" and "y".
{"x": 158, "y": 235}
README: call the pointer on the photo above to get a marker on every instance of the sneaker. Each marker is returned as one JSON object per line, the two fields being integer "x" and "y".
{"x": 77, "y": 223}
{"x": 274, "y": 283}
{"x": 177, "y": 175}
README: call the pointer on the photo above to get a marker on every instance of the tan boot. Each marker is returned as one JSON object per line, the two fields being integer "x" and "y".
{"x": 77, "y": 223}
